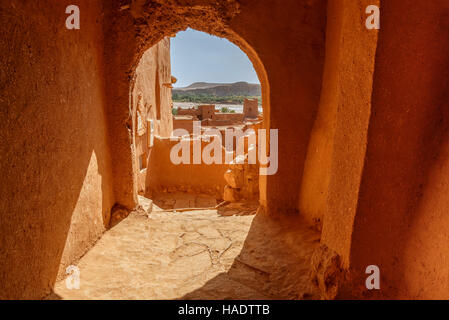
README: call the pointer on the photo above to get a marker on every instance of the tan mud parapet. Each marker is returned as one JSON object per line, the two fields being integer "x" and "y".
{"x": 251, "y": 108}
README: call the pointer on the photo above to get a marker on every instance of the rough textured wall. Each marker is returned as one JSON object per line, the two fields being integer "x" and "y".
{"x": 163, "y": 175}
{"x": 402, "y": 217}
{"x": 288, "y": 59}
{"x": 340, "y": 133}
{"x": 251, "y": 108}
{"x": 317, "y": 168}
{"x": 119, "y": 47}
{"x": 181, "y": 122}
{"x": 152, "y": 88}
{"x": 56, "y": 189}
{"x": 336, "y": 154}
{"x": 338, "y": 140}
{"x": 151, "y": 101}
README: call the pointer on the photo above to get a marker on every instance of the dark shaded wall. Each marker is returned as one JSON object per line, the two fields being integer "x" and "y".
{"x": 377, "y": 165}
{"x": 56, "y": 188}
{"x": 403, "y": 208}
{"x": 338, "y": 145}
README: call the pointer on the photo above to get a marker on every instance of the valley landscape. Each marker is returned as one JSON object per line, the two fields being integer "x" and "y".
{"x": 217, "y": 93}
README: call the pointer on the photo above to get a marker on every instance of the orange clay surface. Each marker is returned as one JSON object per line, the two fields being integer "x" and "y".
{"x": 231, "y": 253}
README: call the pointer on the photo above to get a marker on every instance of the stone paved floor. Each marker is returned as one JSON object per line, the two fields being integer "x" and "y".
{"x": 231, "y": 253}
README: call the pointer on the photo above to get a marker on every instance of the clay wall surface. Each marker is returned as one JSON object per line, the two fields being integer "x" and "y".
{"x": 188, "y": 112}
{"x": 183, "y": 123}
{"x": 201, "y": 178}
{"x": 402, "y": 216}
{"x": 337, "y": 145}
{"x": 207, "y": 111}
{"x": 380, "y": 187}
{"x": 151, "y": 93}
{"x": 229, "y": 116}
{"x": 221, "y": 123}
{"x": 141, "y": 181}
{"x": 330, "y": 187}
{"x": 236, "y": 117}
{"x": 56, "y": 189}
{"x": 142, "y": 144}
{"x": 151, "y": 104}
{"x": 251, "y": 108}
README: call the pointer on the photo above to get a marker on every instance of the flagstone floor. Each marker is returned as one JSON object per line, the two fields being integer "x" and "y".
{"x": 229, "y": 253}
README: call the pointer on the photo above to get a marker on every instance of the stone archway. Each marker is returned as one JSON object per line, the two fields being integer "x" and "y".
{"x": 153, "y": 24}
{"x": 284, "y": 64}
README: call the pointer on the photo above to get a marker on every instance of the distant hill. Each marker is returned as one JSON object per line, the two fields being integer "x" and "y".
{"x": 219, "y": 89}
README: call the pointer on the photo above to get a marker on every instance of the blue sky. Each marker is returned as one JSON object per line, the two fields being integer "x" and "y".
{"x": 199, "y": 57}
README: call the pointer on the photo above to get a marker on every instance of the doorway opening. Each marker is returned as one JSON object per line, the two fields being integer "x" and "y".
{"x": 200, "y": 90}
{"x": 198, "y": 232}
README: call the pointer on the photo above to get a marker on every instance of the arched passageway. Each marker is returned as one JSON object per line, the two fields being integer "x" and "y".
{"x": 289, "y": 100}
{"x": 285, "y": 44}
{"x": 361, "y": 113}
{"x": 228, "y": 253}
{"x": 138, "y": 27}
{"x": 157, "y": 119}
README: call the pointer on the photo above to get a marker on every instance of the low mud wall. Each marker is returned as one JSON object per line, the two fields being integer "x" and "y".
{"x": 163, "y": 175}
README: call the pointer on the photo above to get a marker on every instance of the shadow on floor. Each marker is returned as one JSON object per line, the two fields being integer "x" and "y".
{"x": 273, "y": 264}
{"x": 233, "y": 254}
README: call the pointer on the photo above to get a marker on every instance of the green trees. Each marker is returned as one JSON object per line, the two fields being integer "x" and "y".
{"x": 226, "y": 110}
{"x": 208, "y": 98}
